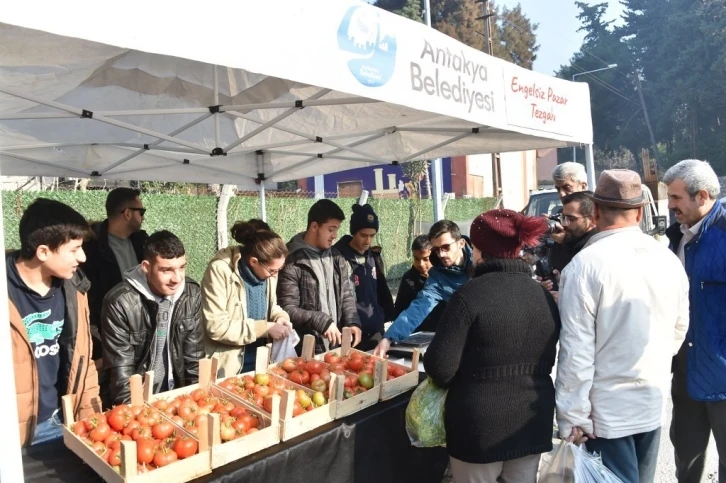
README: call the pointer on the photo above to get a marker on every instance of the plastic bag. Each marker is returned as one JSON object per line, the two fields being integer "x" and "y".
{"x": 425, "y": 416}
{"x": 569, "y": 463}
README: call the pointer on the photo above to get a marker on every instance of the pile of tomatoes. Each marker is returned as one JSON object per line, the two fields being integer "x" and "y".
{"x": 187, "y": 410}
{"x": 312, "y": 374}
{"x": 260, "y": 389}
{"x": 158, "y": 443}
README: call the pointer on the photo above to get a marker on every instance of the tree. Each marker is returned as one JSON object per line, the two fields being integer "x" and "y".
{"x": 513, "y": 34}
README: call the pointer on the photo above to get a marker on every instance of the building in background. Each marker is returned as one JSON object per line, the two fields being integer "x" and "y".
{"x": 464, "y": 177}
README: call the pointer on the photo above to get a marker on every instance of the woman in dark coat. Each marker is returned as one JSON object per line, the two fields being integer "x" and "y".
{"x": 494, "y": 351}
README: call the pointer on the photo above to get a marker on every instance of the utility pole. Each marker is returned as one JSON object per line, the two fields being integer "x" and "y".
{"x": 647, "y": 118}
{"x": 487, "y": 17}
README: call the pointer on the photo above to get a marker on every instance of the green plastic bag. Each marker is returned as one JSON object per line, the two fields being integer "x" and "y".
{"x": 425, "y": 416}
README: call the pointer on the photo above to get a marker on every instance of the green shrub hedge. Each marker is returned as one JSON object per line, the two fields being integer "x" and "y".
{"x": 193, "y": 219}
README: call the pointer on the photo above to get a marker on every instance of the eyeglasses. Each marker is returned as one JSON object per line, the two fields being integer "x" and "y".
{"x": 568, "y": 219}
{"x": 142, "y": 211}
{"x": 272, "y": 272}
{"x": 444, "y": 248}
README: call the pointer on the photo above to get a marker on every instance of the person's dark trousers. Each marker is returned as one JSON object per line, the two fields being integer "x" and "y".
{"x": 691, "y": 427}
{"x": 632, "y": 459}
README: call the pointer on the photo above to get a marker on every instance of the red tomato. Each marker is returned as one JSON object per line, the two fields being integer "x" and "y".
{"x": 100, "y": 449}
{"x": 185, "y": 447}
{"x": 262, "y": 390}
{"x": 198, "y": 394}
{"x": 79, "y": 428}
{"x": 162, "y": 430}
{"x": 114, "y": 456}
{"x": 300, "y": 377}
{"x": 131, "y": 426}
{"x": 355, "y": 355}
{"x": 267, "y": 404}
{"x": 297, "y": 409}
{"x": 120, "y": 417}
{"x": 314, "y": 367}
{"x": 356, "y": 364}
{"x": 325, "y": 375}
{"x": 227, "y": 432}
{"x": 100, "y": 432}
{"x": 240, "y": 425}
{"x": 331, "y": 358}
{"x": 113, "y": 440}
{"x": 164, "y": 456}
{"x": 141, "y": 432}
{"x": 252, "y": 430}
{"x": 399, "y": 371}
{"x": 251, "y": 421}
{"x": 145, "y": 451}
{"x": 237, "y": 412}
{"x": 188, "y": 410}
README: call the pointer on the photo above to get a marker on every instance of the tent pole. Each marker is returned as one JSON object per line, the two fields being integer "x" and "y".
{"x": 11, "y": 462}
{"x": 216, "y": 103}
{"x": 436, "y": 172}
{"x": 305, "y": 103}
{"x": 437, "y": 146}
{"x": 590, "y": 167}
{"x": 263, "y": 204}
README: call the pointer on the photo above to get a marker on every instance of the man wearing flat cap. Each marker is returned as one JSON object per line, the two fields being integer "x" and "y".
{"x": 624, "y": 309}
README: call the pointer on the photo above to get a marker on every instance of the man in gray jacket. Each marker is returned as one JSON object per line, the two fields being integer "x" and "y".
{"x": 314, "y": 287}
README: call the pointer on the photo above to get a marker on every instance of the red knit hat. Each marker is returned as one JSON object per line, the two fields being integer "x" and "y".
{"x": 503, "y": 233}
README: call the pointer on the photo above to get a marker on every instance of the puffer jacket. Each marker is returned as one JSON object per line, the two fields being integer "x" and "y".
{"x": 77, "y": 375}
{"x": 128, "y": 321}
{"x": 224, "y": 311}
{"x": 704, "y": 351}
{"x": 440, "y": 285}
{"x": 297, "y": 294}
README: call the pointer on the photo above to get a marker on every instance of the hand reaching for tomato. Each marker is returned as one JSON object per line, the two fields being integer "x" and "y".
{"x": 333, "y": 334}
{"x": 382, "y": 348}
{"x": 357, "y": 335}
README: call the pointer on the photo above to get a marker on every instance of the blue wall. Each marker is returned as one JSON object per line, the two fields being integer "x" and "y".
{"x": 367, "y": 177}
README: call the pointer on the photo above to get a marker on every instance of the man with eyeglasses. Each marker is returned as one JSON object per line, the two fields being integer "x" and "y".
{"x": 115, "y": 246}
{"x": 569, "y": 178}
{"x": 452, "y": 260}
{"x": 578, "y": 225}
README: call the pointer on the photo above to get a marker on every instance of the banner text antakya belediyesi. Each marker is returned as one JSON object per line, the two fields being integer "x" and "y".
{"x": 465, "y": 88}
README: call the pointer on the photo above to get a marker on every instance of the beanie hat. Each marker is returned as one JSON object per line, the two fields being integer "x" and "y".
{"x": 363, "y": 217}
{"x": 503, "y": 233}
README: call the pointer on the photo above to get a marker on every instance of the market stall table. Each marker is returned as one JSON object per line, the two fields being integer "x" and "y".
{"x": 369, "y": 446}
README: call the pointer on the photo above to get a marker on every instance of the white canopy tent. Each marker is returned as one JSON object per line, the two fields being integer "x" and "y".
{"x": 252, "y": 93}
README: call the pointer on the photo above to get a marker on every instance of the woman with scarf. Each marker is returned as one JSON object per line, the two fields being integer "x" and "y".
{"x": 239, "y": 290}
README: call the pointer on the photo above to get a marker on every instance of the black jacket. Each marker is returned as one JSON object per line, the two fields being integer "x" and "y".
{"x": 561, "y": 255}
{"x": 494, "y": 350}
{"x": 412, "y": 283}
{"x": 372, "y": 295}
{"x": 128, "y": 331}
{"x": 297, "y": 294}
{"x": 103, "y": 272}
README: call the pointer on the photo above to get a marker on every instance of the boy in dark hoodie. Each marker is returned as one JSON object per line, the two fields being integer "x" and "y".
{"x": 314, "y": 287}
{"x": 373, "y": 297}
{"x": 414, "y": 280}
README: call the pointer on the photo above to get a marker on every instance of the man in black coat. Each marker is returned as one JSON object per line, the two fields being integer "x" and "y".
{"x": 373, "y": 297}
{"x": 153, "y": 321}
{"x": 314, "y": 287}
{"x": 115, "y": 246}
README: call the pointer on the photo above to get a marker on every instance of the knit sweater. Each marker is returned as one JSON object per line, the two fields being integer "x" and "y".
{"x": 494, "y": 350}
{"x": 256, "y": 293}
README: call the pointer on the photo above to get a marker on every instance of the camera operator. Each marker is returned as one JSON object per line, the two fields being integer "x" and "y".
{"x": 578, "y": 226}
{"x": 569, "y": 178}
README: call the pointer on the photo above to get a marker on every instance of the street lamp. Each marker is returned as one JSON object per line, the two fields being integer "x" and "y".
{"x": 611, "y": 66}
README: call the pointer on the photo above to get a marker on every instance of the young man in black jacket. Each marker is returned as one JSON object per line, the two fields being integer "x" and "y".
{"x": 373, "y": 297}
{"x": 314, "y": 287}
{"x": 152, "y": 321}
{"x": 115, "y": 246}
{"x": 414, "y": 280}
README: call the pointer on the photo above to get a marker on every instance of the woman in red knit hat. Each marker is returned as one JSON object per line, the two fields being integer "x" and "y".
{"x": 494, "y": 350}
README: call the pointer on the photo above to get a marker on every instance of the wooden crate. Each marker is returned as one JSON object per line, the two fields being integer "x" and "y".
{"x": 389, "y": 389}
{"x": 344, "y": 407}
{"x": 225, "y": 452}
{"x": 291, "y": 427}
{"x": 181, "y": 470}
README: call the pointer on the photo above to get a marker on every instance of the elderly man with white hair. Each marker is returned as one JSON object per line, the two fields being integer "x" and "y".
{"x": 699, "y": 369}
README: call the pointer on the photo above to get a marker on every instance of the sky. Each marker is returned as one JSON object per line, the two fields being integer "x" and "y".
{"x": 557, "y": 34}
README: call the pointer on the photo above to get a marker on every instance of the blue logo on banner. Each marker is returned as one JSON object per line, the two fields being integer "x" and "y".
{"x": 371, "y": 49}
